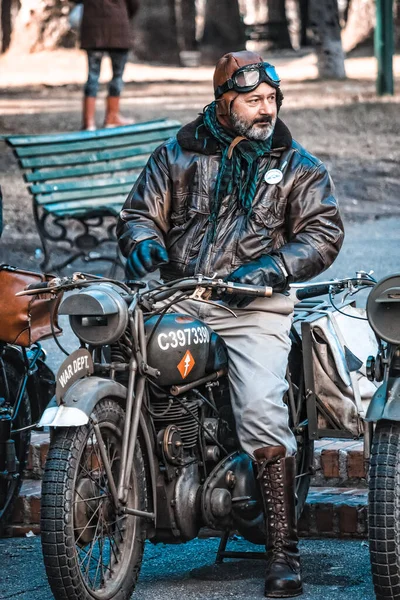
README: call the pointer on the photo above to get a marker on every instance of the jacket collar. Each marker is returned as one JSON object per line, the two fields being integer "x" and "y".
{"x": 195, "y": 138}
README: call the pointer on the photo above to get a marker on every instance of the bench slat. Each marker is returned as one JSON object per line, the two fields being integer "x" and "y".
{"x": 115, "y": 142}
{"x": 127, "y": 165}
{"x": 87, "y": 157}
{"x": 78, "y": 208}
{"x": 81, "y": 184}
{"x": 45, "y": 199}
{"x": 76, "y": 136}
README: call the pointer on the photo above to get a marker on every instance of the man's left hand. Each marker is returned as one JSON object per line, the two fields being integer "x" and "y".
{"x": 265, "y": 271}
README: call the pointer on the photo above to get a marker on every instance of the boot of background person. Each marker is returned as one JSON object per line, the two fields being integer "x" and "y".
{"x": 276, "y": 476}
{"x": 89, "y": 113}
{"x": 113, "y": 117}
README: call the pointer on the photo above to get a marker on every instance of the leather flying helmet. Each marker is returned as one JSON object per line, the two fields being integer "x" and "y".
{"x": 227, "y": 85}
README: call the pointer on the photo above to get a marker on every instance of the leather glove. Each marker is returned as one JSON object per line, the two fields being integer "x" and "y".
{"x": 145, "y": 258}
{"x": 264, "y": 271}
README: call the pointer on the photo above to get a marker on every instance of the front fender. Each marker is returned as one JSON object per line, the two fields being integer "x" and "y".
{"x": 385, "y": 403}
{"x": 78, "y": 404}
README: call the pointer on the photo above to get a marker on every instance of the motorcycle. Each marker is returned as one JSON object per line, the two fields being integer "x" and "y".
{"x": 383, "y": 311}
{"x": 26, "y": 386}
{"x": 143, "y": 441}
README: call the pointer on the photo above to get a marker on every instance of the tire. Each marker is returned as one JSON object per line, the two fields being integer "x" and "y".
{"x": 9, "y": 488}
{"x": 384, "y": 510}
{"x": 73, "y": 538}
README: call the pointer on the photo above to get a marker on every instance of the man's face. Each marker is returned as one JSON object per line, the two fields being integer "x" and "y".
{"x": 254, "y": 114}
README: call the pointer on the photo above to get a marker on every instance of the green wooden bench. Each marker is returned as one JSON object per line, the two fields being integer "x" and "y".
{"x": 79, "y": 182}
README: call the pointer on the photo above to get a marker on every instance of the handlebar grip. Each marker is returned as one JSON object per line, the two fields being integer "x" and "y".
{"x": 312, "y": 290}
{"x": 38, "y": 286}
{"x": 262, "y": 291}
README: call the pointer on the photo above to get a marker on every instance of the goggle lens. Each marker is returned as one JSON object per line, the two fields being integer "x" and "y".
{"x": 247, "y": 78}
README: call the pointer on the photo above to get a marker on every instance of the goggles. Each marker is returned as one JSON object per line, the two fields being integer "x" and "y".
{"x": 247, "y": 78}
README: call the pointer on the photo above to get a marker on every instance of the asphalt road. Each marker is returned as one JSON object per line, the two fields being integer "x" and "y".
{"x": 333, "y": 570}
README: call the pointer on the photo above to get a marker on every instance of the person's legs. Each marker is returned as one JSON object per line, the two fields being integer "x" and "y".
{"x": 118, "y": 61}
{"x": 91, "y": 89}
{"x": 258, "y": 347}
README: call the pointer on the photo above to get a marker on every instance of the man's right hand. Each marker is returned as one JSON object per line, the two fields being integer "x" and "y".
{"x": 145, "y": 258}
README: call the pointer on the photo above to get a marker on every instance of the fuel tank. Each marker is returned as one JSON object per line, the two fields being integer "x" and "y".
{"x": 183, "y": 348}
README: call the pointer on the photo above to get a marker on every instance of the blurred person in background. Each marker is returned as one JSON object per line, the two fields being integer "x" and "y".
{"x": 233, "y": 195}
{"x": 106, "y": 29}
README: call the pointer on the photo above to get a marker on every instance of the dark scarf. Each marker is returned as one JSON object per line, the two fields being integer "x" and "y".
{"x": 239, "y": 168}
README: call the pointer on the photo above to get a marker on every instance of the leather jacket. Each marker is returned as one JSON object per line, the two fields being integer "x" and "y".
{"x": 295, "y": 220}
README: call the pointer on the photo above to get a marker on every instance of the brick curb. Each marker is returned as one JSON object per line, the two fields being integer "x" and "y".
{"x": 337, "y": 463}
{"x": 336, "y": 505}
{"x": 329, "y": 512}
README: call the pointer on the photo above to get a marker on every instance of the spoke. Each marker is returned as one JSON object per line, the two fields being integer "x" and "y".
{"x": 86, "y": 554}
{"x": 88, "y": 523}
{"x": 99, "y": 562}
{"x": 114, "y": 457}
{"x": 112, "y": 542}
{"x": 90, "y": 558}
{"x": 86, "y": 500}
{"x": 96, "y": 482}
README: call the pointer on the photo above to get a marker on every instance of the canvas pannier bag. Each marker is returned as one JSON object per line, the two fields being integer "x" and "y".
{"x": 340, "y": 348}
{"x": 26, "y": 319}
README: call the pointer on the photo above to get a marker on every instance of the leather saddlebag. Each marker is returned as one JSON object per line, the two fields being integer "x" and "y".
{"x": 26, "y": 319}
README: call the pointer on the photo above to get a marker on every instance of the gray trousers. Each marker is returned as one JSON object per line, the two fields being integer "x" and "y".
{"x": 258, "y": 346}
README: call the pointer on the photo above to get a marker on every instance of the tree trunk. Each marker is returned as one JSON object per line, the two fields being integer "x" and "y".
{"x": 324, "y": 22}
{"x": 41, "y": 25}
{"x": 223, "y": 30}
{"x": 277, "y": 32}
{"x": 304, "y": 19}
{"x": 360, "y": 24}
{"x": 397, "y": 24}
{"x": 156, "y": 36}
{"x": 186, "y": 20}
{"x": 8, "y": 13}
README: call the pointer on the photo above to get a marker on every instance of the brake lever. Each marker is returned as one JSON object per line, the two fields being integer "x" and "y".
{"x": 202, "y": 294}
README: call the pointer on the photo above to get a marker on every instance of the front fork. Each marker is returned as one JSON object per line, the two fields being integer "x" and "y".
{"x": 136, "y": 387}
{"x": 367, "y": 444}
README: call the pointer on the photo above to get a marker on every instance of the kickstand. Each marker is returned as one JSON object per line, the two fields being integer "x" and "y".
{"x": 222, "y": 553}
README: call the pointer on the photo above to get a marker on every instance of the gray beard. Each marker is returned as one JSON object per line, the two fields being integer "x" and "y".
{"x": 251, "y": 131}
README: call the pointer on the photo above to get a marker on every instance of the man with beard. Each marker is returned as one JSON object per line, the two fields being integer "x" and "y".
{"x": 234, "y": 195}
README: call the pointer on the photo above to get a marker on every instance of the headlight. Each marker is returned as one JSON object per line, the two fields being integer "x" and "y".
{"x": 383, "y": 309}
{"x": 98, "y": 314}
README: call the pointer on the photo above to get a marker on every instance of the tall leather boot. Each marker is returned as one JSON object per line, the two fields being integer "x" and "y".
{"x": 113, "y": 117}
{"x": 276, "y": 475}
{"x": 89, "y": 112}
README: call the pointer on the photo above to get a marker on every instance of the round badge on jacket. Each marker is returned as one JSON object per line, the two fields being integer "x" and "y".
{"x": 273, "y": 176}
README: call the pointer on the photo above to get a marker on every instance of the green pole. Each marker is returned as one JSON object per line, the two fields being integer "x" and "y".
{"x": 384, "y": 46}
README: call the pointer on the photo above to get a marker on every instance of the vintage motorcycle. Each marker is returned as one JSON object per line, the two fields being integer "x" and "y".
{"x": 26, "y": 386}
{"x": 383, "y": 310}
{"x": 143, "y": 441}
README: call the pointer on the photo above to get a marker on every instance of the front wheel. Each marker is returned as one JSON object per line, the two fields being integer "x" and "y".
{"x": 90, "y": 551}
{"x": 384, "y": 510}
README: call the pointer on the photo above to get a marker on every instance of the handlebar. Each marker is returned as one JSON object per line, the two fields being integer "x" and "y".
{"x": 312, "y": 291}
{"x": 352, "y": 284}
{"x": 164, "y": 291}
{"x": 229, "y": 287}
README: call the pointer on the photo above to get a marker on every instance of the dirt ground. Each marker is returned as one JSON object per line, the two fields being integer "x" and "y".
{"x": 344, "y": 123}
